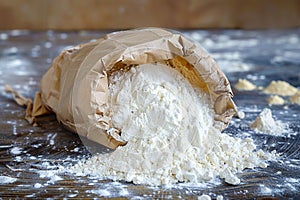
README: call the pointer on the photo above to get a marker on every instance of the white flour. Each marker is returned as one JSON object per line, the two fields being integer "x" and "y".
{"x": 16, "y": 150}
{"x": 275, "y": 100}
{"x": 295, "y": 98}
{"x": 244, "y": 84}
{"x": 266, "y": 124}
{"x": 204, "y": 197}
{"x": 280, "y": 88}
{"x": 169, "y": 128}
{"x": 7, "y": 180}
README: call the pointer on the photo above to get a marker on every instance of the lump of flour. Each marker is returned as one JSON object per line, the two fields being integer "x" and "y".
{"x": 265, "y": 123}
{"x": 169, "y": 128}
{"x": 295, "y": 98}
{"x": 280, "y": 88}
{"x": 244, "y": 84}
{"x": 276, "y": 100}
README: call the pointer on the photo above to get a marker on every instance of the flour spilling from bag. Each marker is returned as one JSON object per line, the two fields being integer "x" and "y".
{"x": 168, "y": 126}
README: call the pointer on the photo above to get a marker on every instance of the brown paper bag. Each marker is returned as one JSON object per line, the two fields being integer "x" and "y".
{"x": 75, "y": 87}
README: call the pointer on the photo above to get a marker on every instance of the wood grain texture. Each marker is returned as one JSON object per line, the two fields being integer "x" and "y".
{"x": 123, "y": 14}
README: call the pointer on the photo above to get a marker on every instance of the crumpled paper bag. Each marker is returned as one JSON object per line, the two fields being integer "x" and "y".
{"x": 75, "y": 87}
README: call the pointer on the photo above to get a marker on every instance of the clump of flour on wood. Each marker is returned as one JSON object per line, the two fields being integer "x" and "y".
{"x": 295, "y": 99}
{"x": 265, "y": 123}
{"x": 276, "y": 100}
{"x": 244, "y": 84}
{"x": 280, "y": 88}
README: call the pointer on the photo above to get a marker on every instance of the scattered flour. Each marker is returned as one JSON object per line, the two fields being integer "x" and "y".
{"x": 220, "y": 197}
{"x": 265, "y": 123}
{"x": 292, "y": 180}
{"x": 265, "y": 190}
{"x": 169, "y": 128}
{"x": 16, "y": 150}
{"x": 38, "y": 185}
{"x": 295, "y": 98}
{"x": 276, "y": 100}
{"x": 204, "y": 197}
{"x": 207, "y": 197}
{"x": 111, "y": 189}
{"x": 244, "y": 84}
{"x": 260, "y": 87}
{"x": 100, "y": 192}
{"x": 7, "y": 180}
{"x": 51, "y": 174}
{"x": 280, "y": 88}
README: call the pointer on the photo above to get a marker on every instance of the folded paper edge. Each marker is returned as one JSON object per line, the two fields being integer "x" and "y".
{"x": 33, "y": 109}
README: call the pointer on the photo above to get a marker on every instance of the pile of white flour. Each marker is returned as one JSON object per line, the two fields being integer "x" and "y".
{"x": 265, "y": 123}
{"x": 169, "y": 128}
